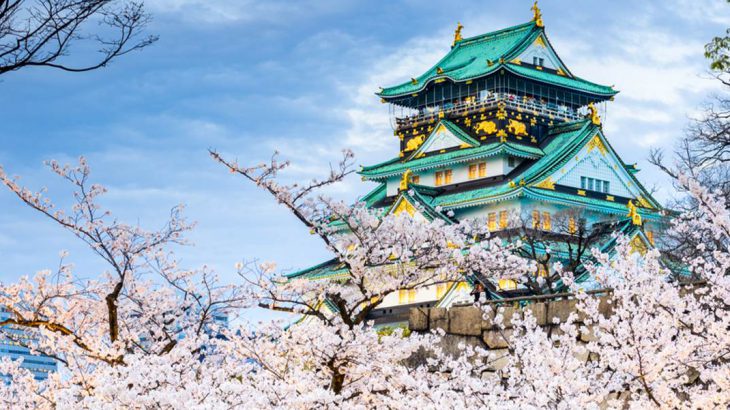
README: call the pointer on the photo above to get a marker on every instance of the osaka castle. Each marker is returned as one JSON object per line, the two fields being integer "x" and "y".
{"x": 499, "y": 127}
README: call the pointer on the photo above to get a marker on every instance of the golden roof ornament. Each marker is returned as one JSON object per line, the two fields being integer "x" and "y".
{"x": 405, "y": 180}
{"x": 457, "y": 34}
{"x": 595, "y": 118}
{"x": 536, "y": 15}
{"x": 633, "y": 213}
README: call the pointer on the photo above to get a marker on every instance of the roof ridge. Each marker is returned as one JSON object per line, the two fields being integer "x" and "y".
{"x": 460, "y": 155}
{"x": 484, "y": 36}
{"x": 559, "y": 128}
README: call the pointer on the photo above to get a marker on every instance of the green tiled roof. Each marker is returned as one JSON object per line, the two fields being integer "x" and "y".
{"x": 374, "y": 196}
{"x": 597, "y": 204}
{"x": 324, "y": 269}
{"x": 563, "y": 81}
{"x": 395, "y": 167}
{"x": 494, "y": 193}
{"x": 469, "y": 59}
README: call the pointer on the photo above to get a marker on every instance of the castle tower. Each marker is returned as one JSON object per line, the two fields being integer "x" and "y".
{"x": 500, "y": 127}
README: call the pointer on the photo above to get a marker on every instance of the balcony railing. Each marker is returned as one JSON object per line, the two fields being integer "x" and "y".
{"x": 468, "y": 106}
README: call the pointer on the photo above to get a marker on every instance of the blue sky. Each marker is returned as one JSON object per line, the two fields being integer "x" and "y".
{"x": 248, "y": 77}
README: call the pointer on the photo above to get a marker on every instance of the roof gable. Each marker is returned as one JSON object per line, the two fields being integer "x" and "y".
{"x": 592, "y": 165}
{"x": 403, "y": 204}
{"x": 541, "y": 51}
{"x": 415, "y": 205}
{"x": 444, "y": 136}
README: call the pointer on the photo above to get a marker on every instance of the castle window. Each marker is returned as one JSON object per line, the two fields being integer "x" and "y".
{"x": 593, "y": 184}
{"x": 447, "y": 176}
{"x": 535, "y": 219}
{"x": 482, "y": 169}
{"x": 650, "y": 237}
{"x": 415, "y": 179}
{"x": 511, "y": 162}
{"x": 402, "y": 296}
{"x": 479, "y": 169}
{"x": 571, "y": 225}
{"x": 492, "y": 221}
{"x": 546, "y": 223}
{"x": 538, "y": 61}
{"x": 411, "y": 295}
{"x": 439, "y": 178}
{"x": 503, "y": 220}
{"x": 542, "y": 271}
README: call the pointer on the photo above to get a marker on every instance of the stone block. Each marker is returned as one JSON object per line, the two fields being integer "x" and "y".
{"x": 605, "y": 306}
{"x": 581, "y": 354}
{"x": 497, "y": 339}
{"x": 587, "y": 335}
{"x": 539, "y": 311}
{"x": 508, "y": 313}
{"x": 488, "y": 319}
{"x": 418, "y": 319}
{"x": 466, "y": 321}
{"x": 498, "y": 359}
{"x": 560, "y": 309}
{"x": 439, "y": 318}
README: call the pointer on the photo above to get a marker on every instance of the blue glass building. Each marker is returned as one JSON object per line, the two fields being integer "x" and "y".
{"x": 12, "y": 344}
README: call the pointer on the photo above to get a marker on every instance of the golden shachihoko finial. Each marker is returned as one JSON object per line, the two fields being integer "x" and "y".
{"x": 405, "y": 180}
{"x": 593, "y": 112}
{"x": 633, "y": 213}
{"x": 536, "y": 15}
{"x": 457, "y": 34}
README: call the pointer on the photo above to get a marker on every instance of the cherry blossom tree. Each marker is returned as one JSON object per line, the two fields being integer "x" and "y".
{"x": 143, "y": 333}
{"x": 142, "y": 313}
{"x": 378, "y": 255}
{"x": 663, "y": 343}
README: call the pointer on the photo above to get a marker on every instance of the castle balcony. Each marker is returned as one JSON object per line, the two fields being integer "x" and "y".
{"x": 472, "y": 105}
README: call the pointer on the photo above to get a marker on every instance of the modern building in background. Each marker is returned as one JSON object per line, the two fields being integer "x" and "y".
{"x": 12, "y": 345}
{"x": 500, "y": 126}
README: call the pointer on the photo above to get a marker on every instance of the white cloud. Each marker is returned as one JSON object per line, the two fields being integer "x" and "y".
{"x": 370, "y": 129}
{"x": 701, "y": 11}
{"x": 649, "y": 139}
{"x": 621, "y": 112}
